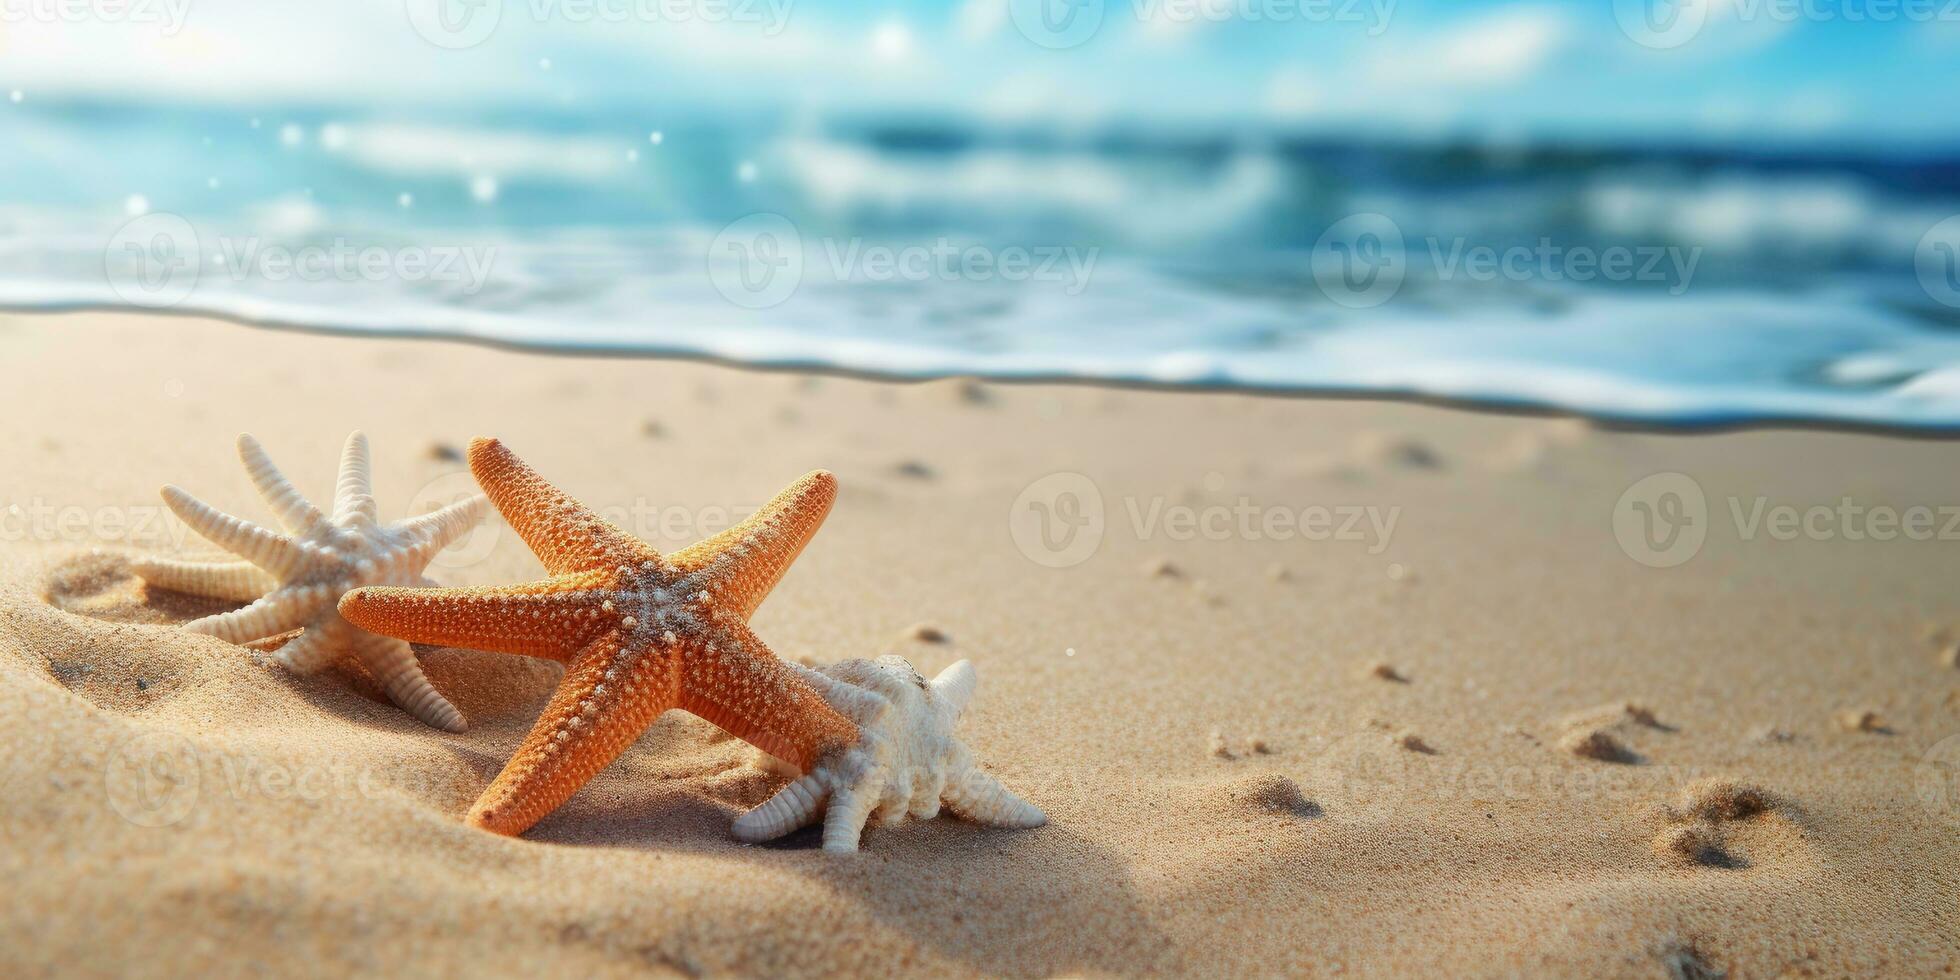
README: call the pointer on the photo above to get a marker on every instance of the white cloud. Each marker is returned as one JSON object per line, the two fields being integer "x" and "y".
{"x": 1500, "y": 48}
{"x": 363, "y": 52}
{"x": 1293, "y": 94}
{"x": 892, "y": 41}
{"x": 224, "y": 52}
{"x": 844, "y": 178}
{"x": 1044, "y": 96}
{"x": 980, "y": 20}
{"x": 464, "y": 152}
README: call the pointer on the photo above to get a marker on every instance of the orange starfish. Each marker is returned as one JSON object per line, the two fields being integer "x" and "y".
{"x": 638, "y": 633}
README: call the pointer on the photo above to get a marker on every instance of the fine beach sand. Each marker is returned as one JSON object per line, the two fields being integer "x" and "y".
{"x": 1495, "y": 746}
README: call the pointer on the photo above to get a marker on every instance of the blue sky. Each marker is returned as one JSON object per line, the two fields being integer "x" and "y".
{"x": 1502, "y": 69}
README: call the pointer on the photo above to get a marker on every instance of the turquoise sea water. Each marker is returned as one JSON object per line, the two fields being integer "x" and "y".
{"x": 1675, "y": 286}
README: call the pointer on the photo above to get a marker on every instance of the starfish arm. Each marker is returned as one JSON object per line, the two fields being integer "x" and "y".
{"x": 860, "y": 705}
{"x": 792, "y": 808}
{"x": 850, "y": 808}
{"x": 922, "y": 795}
{"x": 906, "y": 762}
{"x": 353, "y": 494}
{"x": 611, "y": 692}
{"x": 324, "y": 642}
{"x": 740, "y": 686}
{"x": 295, "y": 512}
{"x": 273, "y": 552}
{"x": 955, "y": 686}
{"x": 565, "y": 534}
{"x": 981, "y": 798}
{"x": 439, "y": 529}
{"x": 743, "y": 563}
{"x": 394, "y": 667}
{"x": 239, "y": 581}
{"x": 553, "y": 619}
{"x": 272, "y": 614}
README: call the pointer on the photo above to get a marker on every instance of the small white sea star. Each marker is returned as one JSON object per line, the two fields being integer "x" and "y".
{"x": 907, "y": 764}
{"x": 299, "y": 578}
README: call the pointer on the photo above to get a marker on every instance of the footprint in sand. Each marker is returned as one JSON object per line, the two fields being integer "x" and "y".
{"x": 1685, "y": 962}
{"x": 1600, "y": 733}
{"x": 1396, "y": 452}
{"x": 1711, "y": 818}
{"x": 99, "y": 584}
{"x": 1223, "y": 748}
{"x": 1862, "y": 721}
{"x": 1381, "y": 670}
{"x": 1599, "y": 745}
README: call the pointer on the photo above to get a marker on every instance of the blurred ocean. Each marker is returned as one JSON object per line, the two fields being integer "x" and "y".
{"x": 1671, "y": 285}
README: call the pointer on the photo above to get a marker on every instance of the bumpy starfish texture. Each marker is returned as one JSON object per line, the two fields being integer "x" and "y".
{"x": 908, "y": 762}
{"x": 639, "y": 633}
{"x": 296, "y": 580}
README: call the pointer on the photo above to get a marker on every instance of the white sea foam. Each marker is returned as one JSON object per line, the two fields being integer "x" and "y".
{"x": 1717, "y": 356}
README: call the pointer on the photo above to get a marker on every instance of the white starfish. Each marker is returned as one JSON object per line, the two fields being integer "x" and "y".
{"x": 907, "y": 764}
{"x": 297, "y": 580}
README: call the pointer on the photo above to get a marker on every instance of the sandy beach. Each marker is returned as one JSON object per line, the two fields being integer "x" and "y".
{"x": 1304, "y": 686}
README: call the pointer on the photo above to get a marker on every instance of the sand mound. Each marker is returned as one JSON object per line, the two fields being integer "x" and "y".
{"x": 1396, "y": 451}
{"x": 1724, "y": 799}
{"x": 1597, "y": 744}
{"x": 1618, "y": 713}
{"x": 1695, "y": 843}
{"x": 202, "y": 781}
{"x": 1711, "y": 814}
{"x": 1267, "y": 793}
